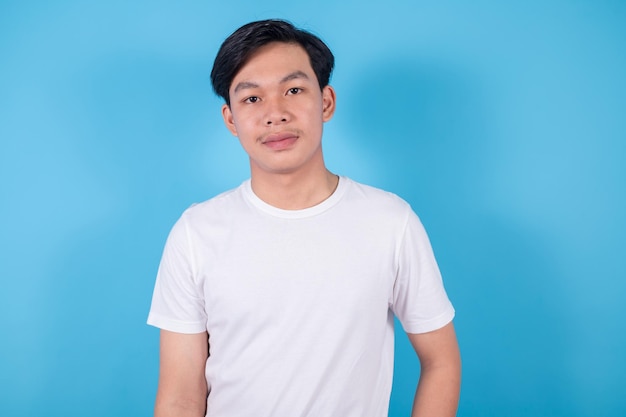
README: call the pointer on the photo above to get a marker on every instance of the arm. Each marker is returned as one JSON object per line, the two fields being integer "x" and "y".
{"x": 440, "y": 377}
{"x": 182, "y": 388}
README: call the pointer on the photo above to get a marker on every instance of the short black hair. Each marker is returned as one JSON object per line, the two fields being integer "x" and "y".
{"x": 238, "y": 47}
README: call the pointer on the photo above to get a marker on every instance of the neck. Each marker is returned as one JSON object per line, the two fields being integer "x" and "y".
{"x": 294, "y": 191}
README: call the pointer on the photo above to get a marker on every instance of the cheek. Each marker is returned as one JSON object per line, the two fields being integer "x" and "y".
{"x": 239, "y": 121}
{"x": 314, "y": 110}
{"x": 244, "y": 128}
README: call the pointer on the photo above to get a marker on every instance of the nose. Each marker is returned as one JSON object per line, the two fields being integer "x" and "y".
{"x": 271, "y": 121}
{"x": 276, "y": 113}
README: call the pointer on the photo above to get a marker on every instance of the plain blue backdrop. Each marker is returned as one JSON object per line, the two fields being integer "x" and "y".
{"x": 502, "y": 123}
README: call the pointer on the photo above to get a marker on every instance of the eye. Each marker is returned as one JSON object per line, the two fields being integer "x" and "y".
{"x": 294, "y": 90}
{"x": 251, "y": 99}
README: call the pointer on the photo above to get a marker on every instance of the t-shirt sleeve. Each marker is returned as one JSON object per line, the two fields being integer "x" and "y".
{"x": 177, "y": 301}
{"x": 419, "y": 301}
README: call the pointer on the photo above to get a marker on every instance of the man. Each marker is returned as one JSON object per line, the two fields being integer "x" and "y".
{"x": 277, "y": 298}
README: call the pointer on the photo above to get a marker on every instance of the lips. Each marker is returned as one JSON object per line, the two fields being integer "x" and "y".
{"x": 280, "y": 140}
{"x": 277, "y": 137}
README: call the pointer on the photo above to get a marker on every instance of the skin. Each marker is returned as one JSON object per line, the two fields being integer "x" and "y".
{"x": 277, "y": 112}
{"x": 182, "y": 390}
{"x": 440, "y": 377}
{"x": 277, "y": 93}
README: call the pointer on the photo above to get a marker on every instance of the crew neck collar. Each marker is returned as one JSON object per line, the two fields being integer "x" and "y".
{"x": 331, "y": 201}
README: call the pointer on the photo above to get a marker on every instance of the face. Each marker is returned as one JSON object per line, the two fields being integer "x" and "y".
{"x": 277, "y": 111}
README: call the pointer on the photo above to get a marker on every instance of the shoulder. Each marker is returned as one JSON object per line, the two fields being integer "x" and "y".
{"x": 210, "y": 220}
{"x": 375, "y": 198}
{"x": 221, "y": 205}
{"x": 378, "y": 208}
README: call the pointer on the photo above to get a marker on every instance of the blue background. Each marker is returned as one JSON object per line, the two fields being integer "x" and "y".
{"x": 502, "y": 123}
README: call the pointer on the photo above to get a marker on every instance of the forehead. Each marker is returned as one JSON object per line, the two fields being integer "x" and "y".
{"x": 274, "y": 61}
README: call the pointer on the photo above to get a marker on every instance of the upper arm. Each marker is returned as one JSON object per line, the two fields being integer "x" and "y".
{"x": 182, "y": 383}
{"x": 437, "y": 348}
{"x": 440, "y": 377}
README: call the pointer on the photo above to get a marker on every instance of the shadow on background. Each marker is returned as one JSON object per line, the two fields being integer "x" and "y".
{"x": 429, "y": 124}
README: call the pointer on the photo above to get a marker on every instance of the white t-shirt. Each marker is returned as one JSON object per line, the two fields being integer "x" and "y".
{"x": 299, "y": 304}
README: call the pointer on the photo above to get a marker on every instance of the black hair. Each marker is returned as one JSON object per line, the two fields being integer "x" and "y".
{"x": 239, "y": 47}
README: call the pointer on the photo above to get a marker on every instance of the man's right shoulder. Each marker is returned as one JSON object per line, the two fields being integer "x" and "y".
{"x": 221, "y": 204}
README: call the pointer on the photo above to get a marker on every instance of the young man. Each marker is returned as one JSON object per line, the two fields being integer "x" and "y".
{"x": 277, "y": 298}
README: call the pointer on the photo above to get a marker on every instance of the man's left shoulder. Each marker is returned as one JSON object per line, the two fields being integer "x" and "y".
{"x": 376, "y": 197}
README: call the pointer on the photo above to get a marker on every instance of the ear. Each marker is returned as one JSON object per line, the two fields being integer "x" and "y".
{"x": 328, "y": 103}
{"x": 229, "y": 121}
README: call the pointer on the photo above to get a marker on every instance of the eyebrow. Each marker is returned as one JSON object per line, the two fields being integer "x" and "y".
{"x": 249, "y": 84}
{"x": 245, "y": 84}
{"x": 294, "y": 75}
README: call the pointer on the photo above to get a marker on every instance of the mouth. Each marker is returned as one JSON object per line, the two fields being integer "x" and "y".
{"x": 280, "y": 140}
